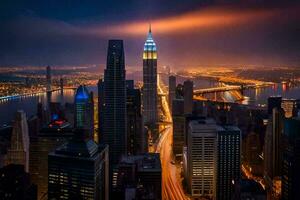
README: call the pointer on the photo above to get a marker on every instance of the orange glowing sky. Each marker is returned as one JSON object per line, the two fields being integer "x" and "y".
{"x": 204, "y": 19}
{"x": 214, "y": 35}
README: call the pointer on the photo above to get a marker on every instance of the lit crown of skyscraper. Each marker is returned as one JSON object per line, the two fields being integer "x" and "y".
{"x": 150, "y": 47}
{"x": 82, "y": 93}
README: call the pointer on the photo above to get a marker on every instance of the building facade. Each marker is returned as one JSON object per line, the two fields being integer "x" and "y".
{"x": 150, "y": 81}
{"x": 114, "y": 113}
{"x": 84, "y": 109}
{"x": 136, "y": 139}
{"x": 291, "y": 160}
{"x": 78, "y": 170}
{"x": 18, "y": 152}
{"x": 188, "y": 93}
{"x": 229, "y": 160}
{"x": 201, "y": 158}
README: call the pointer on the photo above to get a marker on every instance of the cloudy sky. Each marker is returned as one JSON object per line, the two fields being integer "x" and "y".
{"x": 188, "y": 33}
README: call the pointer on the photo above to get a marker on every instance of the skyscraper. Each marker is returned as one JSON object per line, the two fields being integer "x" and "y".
{"x": 114, "y": 119}
{"x": 172, "y": 89}
{"x": 273, "y": 149}
{"x": 47, "y": 140}
{"x": 188, "y": 93}
{"x": 201, "y": 158}
{"x": 48, "y": 79}
{"x": 84, "y": 109}
{"x": 18, "y": 153}
{"x": 178, "y": 126}
{"x": 291, "y": 160}
{"x": 229, "y": 160}
{"x": 78, "y": 170}
{"x": 136, "y": 139}
{"x": 150, "y": 81}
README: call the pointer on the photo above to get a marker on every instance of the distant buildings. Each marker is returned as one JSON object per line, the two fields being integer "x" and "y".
{"x": 114, "y": 109}
{"x": 139, "y": 177}
{"x": 172, "y": 90}
{"x": 136, "y": 139}
{"x": 18, "y": 152}
{"x": 84, "y": 109}
{"x": 15, "y": 184}
{"x": 48, "y": 79}
{"x": 61, "y": 85}
{"x": 228, "y": 159}
{"x": 188, "y": 93}
{"x": 78, "y": 170}
{"x": 150, "y": 81}
{"x": 202, "y": 158}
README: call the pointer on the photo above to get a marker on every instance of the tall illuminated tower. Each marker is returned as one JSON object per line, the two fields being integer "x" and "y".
{"x": 150, "y": 81}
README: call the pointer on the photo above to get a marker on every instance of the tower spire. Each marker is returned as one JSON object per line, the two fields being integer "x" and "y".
{"x": 149, "y": 27}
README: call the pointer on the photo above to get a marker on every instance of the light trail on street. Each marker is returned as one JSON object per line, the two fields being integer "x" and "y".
{"x": 171, "y": 186}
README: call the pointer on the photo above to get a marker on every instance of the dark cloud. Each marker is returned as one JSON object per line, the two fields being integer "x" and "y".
{"x": 187, "y": 34}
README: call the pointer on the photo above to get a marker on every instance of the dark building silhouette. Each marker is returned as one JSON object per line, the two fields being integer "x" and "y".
{"x": 178, "y": 126}
{"x": 172, "y": 90}
{"x": 273, "y": 149}
{"x": 188, "y": 93}
{"x": 5, "y": 139}
{"x": 15, "y": 184}
{"x": 78, "y": 170}
{"x": 291, "y": 160}
{"x": 150, "y": 81}
{"x": 101, "y": 105}
{"x": 274, "y": 102}
{"x": 45, "y": 141}
{"x": 139, "y": 177}
{"x": 136, "y": 139}
{"x": 246, "y": 189}
{"x": 114, "y": 113}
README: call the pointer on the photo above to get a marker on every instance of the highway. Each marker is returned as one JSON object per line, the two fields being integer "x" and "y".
{"x": 171, "y": 186}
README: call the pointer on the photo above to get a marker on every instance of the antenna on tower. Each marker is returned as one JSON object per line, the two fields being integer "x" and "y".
{"x": 149, "y": 27}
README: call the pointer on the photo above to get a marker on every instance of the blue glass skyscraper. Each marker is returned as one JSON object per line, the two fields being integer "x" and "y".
{"x": 84, "y": 109}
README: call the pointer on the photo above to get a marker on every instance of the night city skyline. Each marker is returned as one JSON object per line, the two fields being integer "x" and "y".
{"x": 150, "y": 100}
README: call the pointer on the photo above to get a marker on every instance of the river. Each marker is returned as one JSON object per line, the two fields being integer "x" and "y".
{"x": 8, "y": 108}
